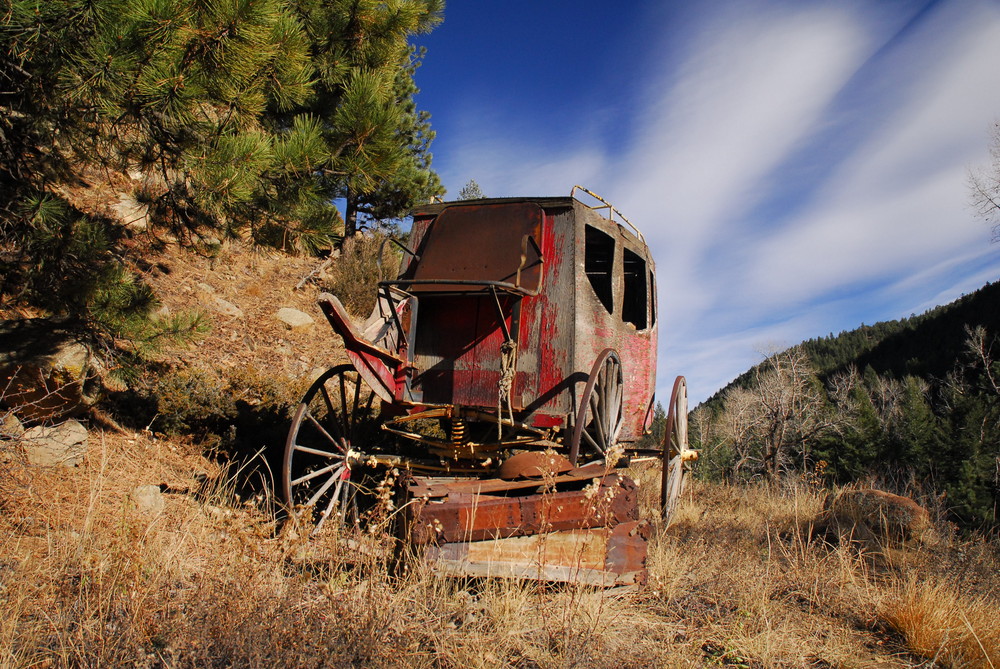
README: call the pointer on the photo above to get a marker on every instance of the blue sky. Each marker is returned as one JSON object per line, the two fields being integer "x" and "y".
{"x": 797, "y": 168}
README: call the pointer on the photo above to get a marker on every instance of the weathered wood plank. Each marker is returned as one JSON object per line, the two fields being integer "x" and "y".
{"x": 576, "y": 556}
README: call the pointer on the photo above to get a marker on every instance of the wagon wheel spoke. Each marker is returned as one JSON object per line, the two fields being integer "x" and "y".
{"x": 343, "y": 415}
{"x": 617, "y": 406}
{"x": 338, "y": 441}
{"x": 590, "y": 440}
{"x": 354, "y": 404}
{"x": 599, "y": 417}
{"x": 315, "y": 474}
{"x": 675, "y": 444}
{"x": 326, "y": 398}
{"x": 323, "y": 488}
{"x": 331, "y": 432}
{"x": 613, "y": 410}
{"x": 334, "y": 501}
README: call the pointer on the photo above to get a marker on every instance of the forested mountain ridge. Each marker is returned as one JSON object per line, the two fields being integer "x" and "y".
{"x": 923, "y": 345}
{"x": 914, "y": 399}
{"x": 926, "y": 345}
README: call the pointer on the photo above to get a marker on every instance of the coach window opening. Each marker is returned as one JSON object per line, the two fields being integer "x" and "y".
{"x": 635, "y": 302}
{"x": 652, "y": 299}
{"x": 599, "y": 261}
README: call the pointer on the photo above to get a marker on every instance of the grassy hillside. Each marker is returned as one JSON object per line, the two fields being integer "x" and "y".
{"x": 91, "y": 574}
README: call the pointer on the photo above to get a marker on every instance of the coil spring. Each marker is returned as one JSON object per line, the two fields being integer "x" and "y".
{"x": 457, "y": 431}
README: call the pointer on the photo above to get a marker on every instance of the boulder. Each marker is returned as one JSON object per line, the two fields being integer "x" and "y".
{"x": 226, "y": 308}
{"x": 148, "y": 499}
{"x": 293, "y": 318}
{"x": 45, "y": 372}
{"x": 876, "y": 518}
{"x": 63, "y": 445}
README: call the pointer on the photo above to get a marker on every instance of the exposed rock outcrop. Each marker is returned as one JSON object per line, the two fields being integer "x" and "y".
{"x": 45, "y": 372}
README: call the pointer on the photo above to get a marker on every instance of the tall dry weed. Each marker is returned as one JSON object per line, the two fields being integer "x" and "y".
{"x": 943, "y": 624}
{"x": 90, "y": 578}
{"x": 354, "y": 279}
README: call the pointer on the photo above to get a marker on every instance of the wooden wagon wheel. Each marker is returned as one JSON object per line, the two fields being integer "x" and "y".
{"x": 321, "y": 473}
{"x": 599, "y": 418}
{"x": 675, "y": 447}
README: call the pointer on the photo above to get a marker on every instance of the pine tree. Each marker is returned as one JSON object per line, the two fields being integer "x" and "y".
{"x": 376, "y": 139}
{"x": 470, "y": 191}
{"x": 244, "y": 117}
{"x": 170, "y": 89}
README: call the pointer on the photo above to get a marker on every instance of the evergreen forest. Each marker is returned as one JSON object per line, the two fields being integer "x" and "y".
{"x": 910, "y": 403}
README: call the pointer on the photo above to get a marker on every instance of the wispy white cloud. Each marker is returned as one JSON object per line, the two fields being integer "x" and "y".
{"x": 749, "y": 90}
{"x": 723, "y": 123}
{"x": 893, "y": 208}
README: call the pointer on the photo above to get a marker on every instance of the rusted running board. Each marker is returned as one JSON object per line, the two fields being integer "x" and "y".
{"x": 590, "y": 534}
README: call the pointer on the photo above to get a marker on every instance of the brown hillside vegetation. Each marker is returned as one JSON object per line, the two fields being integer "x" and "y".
{"x": 89, "y": 576}
{"x": 258, "y": 283}
{"x": 96, "y": 569}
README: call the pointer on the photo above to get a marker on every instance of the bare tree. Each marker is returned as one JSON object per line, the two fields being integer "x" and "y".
{"x": 781, "y": 414}
{"x": 980, "y": 347}
{"x": 984, "y": 185}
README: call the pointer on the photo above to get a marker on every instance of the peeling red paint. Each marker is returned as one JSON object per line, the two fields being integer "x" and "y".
{"x": 466, "y": 261}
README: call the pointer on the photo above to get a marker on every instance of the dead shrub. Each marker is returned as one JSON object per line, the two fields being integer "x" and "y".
{"x": 356, "y": 273}
{"x": 200, "y": 401}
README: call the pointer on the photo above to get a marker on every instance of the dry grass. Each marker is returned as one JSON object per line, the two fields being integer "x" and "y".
{"x": 943, "y": 624}
{"x": 87, "y": 578}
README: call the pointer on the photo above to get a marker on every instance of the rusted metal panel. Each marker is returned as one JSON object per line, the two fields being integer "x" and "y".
{"x": 597, "y": 328}
{"x": 430, "y": 210}
{"x": 475, "y": 509}
{"x": 458, "y": 340}
{"x": 628, "y": 546}
{"x": 483, "y": 242}
{"x": 457, "y": 350}
{"x": 430, "y": 488}
{"x": 550, "y": 324}
{"x": 472, "y": 517}
{"x": 559, "y": 332}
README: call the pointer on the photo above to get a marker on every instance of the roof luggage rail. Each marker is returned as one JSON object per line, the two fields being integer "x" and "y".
{"x": 607, "y": 205}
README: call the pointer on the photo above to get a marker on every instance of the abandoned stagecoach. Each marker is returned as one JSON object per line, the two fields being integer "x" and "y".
{"x": 518, "y": 331}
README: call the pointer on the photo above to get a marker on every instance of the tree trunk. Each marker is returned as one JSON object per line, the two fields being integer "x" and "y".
{"x": 350, "y": 217}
